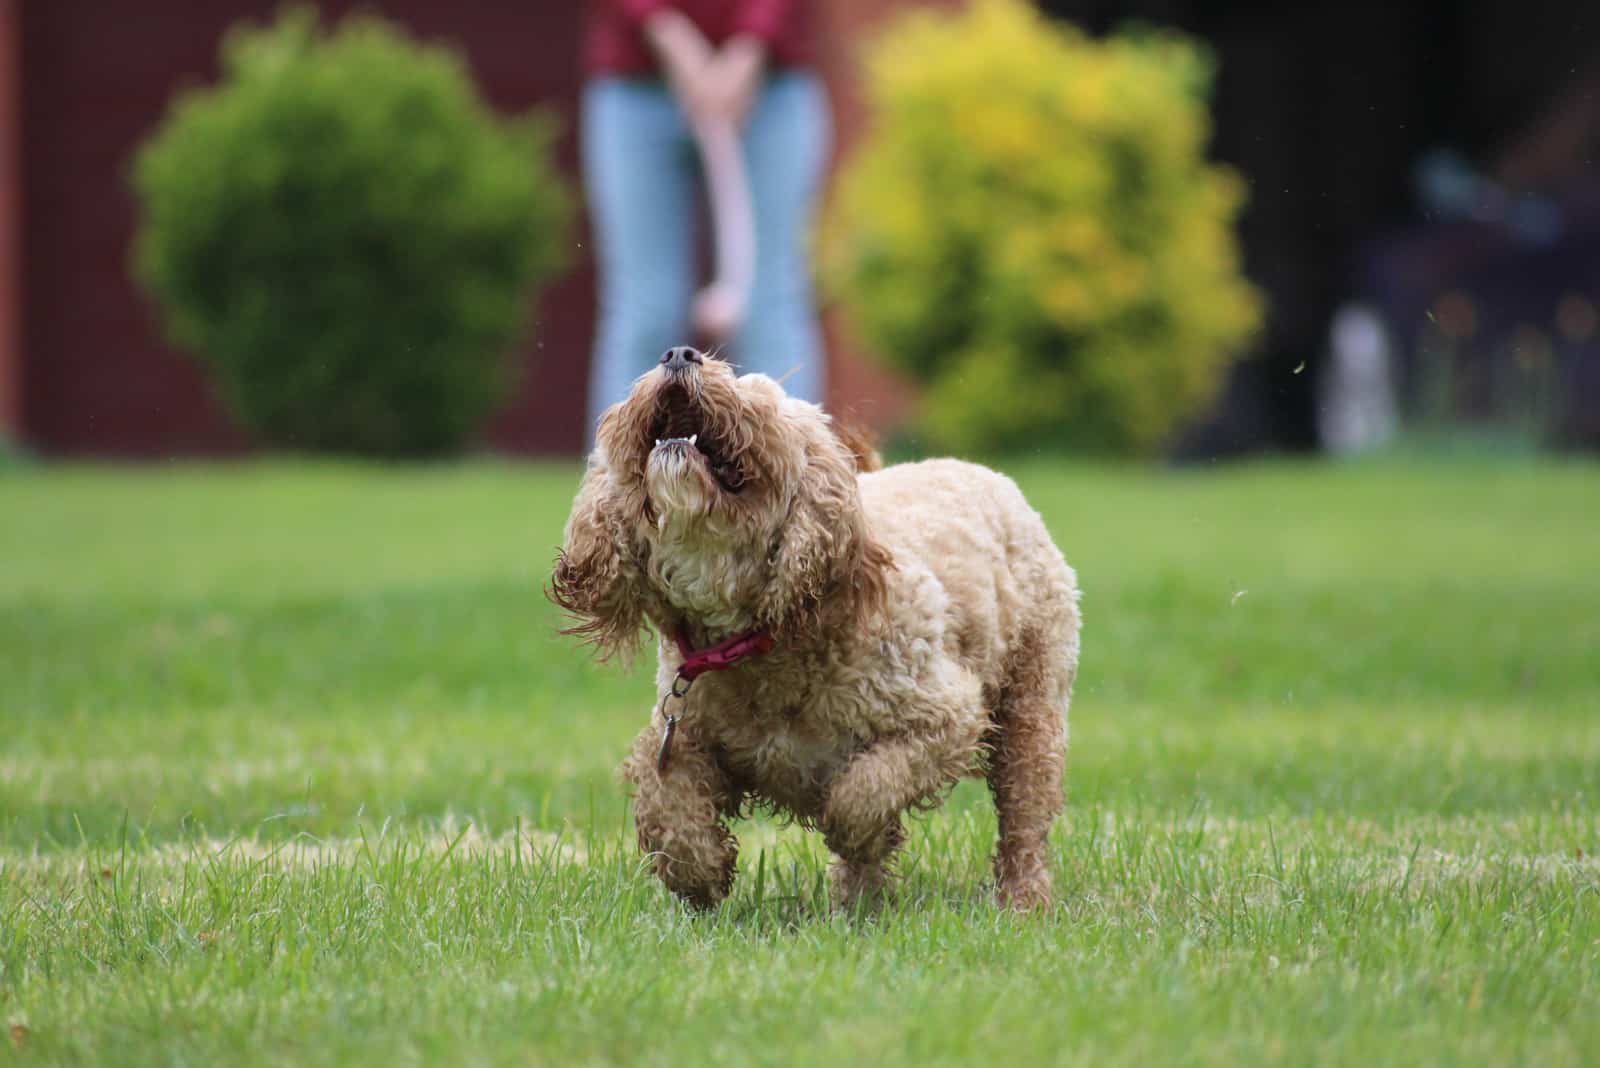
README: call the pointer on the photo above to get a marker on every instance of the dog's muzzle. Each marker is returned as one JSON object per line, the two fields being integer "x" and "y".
{"x": 679, "y": 360}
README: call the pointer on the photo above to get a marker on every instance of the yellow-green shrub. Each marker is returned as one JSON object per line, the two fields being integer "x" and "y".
{"x": 1031, "y": 229}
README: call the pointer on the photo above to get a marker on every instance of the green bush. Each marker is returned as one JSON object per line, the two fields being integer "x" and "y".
{"x": 349, "y": 237}
{"x": 1032, "y": 231}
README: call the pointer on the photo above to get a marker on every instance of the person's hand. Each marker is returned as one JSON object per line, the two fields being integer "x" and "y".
{"x": 729, "y": 86}
{"x": 685, "y": 56}
{"x": 711, "y": 85}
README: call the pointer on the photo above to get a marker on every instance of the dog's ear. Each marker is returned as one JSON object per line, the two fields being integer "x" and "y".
{"x": 860, "y": 441}
{"x": 596, "y": 578}
{"x": 825, "y": 564}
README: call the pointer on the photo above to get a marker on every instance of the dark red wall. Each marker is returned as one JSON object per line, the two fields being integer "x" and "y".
{"x": 10, "y": 237}
{"x": 96, "y": 77}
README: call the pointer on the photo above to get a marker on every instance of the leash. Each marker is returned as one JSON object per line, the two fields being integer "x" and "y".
{"x": 719, "y": 657}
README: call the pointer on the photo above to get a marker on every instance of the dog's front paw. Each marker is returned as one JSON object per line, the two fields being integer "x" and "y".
{"x": 855, "y": 885}
{"x": 862, "y": 847}
{"x": 679, "y": 816}
{"x": 697, "y": 864}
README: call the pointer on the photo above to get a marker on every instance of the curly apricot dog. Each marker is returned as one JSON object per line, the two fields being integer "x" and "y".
{"x": 856, "y": 642}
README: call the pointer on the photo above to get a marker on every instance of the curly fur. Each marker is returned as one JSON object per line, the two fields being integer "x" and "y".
{"x": 927, "y": 629}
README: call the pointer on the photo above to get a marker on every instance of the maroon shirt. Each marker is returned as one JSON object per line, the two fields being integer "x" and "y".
{"x": 616, "y": 43}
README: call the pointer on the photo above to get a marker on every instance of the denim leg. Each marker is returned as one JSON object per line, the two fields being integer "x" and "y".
{"x": 641, "y": 176}
{"x": 786, "y": 150}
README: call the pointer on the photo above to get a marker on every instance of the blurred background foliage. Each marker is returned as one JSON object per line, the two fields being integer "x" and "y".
{"x": 348, "y": 236}
{"x": 1422, "y": 227}
{"x": 1032, "y": 232}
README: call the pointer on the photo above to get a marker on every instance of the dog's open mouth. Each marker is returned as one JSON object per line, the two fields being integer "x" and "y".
{"x": 679, "y": 424}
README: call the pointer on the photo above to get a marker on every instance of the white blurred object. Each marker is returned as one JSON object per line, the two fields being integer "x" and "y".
{"x": 1356, "y": 408}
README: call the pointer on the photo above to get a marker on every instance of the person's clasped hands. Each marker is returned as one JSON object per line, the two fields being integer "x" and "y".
{"x": 714, "y": 85}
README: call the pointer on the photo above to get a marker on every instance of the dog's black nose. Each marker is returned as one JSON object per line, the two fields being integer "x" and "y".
{"x": 679, "y": 358}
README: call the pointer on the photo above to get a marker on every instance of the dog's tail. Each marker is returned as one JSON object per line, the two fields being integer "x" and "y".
{"x": 860, "y": 441}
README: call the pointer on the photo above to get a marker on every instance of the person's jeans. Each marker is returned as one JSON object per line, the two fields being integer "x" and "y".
{"x": 643, "y": 180}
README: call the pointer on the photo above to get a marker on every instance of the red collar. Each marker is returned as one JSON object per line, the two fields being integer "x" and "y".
{"x": 723, "y": 655}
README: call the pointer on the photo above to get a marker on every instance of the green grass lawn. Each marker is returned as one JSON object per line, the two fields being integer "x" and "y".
{"x": 294, "y": 770}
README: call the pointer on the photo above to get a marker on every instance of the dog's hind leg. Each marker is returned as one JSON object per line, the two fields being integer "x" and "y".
{"x": 680, "y": 816}
{"x": 1026, "y": 763}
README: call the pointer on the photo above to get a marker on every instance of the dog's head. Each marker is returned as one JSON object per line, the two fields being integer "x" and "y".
{"x": 715, "y": 503}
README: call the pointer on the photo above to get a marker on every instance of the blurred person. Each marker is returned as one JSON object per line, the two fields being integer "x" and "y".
{"x": 721, "y": 94}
